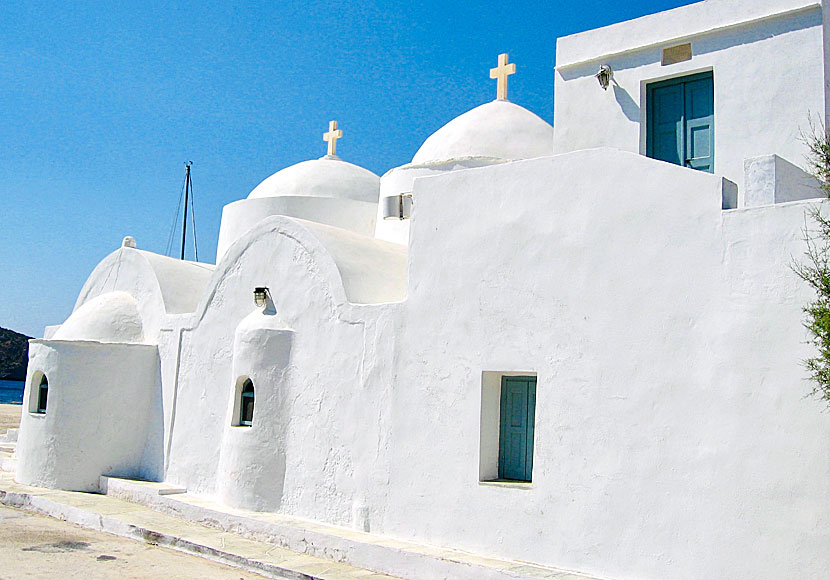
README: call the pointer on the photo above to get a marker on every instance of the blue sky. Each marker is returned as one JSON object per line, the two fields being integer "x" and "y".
{"x": 102, "y": 103}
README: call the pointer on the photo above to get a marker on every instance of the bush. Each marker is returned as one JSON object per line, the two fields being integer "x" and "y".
{"x": 815, "y": 270}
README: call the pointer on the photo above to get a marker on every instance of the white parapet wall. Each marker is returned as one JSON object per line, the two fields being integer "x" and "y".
{"x": 771, "y": 179}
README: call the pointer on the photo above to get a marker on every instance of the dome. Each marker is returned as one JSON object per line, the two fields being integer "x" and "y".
{"x": 496, "y": 130}
{"x": 328, "y": 176}
{"x": 110, "y": 317}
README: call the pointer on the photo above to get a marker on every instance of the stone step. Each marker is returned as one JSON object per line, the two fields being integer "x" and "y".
{"x": 404, "y": 559}
{"x": 8, "y": 463}
{"x": 9, "y": 436}
{"x": 7, "y": 448}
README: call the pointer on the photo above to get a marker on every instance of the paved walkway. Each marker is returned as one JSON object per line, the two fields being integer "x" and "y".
{"x": 130, "y": 520}
{"x": 35, "y": 546}
{"x": 9, "y": 417}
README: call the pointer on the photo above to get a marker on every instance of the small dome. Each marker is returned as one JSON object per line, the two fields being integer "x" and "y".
{"x": 325, "y": 177}
{"x": 110, "y": 317}
{"x": 496, "y": 130}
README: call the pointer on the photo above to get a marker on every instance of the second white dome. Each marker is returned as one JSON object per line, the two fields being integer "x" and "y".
{"x": 324, "y": 177}
{"x": 495, "y": 130}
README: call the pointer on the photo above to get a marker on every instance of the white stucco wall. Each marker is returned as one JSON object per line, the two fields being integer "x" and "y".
{"x": 252, "y": 465}
{"x": 767, "y": 58}
{"x": 328, "y": 407}
{"x": 673, "y": 436}
{"x": 400, "y": 180}
{"x": 101, "y": 405}
{"x": 771, "y": 179}
{"x": 165, "y": 291}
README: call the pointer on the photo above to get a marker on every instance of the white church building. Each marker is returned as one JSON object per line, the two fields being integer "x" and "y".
{"x": 577, "y": 345}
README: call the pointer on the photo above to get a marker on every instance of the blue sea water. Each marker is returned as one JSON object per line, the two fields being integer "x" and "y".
{"x": 11, "y": 391}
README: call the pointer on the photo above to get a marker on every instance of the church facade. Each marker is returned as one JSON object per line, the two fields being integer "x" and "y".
{"x": 577, "y": 344}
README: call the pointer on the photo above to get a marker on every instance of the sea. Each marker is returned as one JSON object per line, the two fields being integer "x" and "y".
{"x": 11, "y": 392}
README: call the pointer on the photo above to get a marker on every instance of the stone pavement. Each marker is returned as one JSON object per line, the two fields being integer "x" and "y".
{"x": 115, "y": 516}
{"x": 9, "y": 417}
{"x": 33, "y": 546}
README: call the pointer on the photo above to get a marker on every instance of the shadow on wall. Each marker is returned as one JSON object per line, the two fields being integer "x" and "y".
{"x": 629, "y": 107}
{"x": 152, "y": 461}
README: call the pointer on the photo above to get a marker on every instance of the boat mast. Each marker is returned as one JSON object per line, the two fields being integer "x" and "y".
{"x": 186, "y": 195}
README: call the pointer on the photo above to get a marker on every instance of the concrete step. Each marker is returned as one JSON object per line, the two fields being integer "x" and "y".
{"x": 9, "y": 436}
{"x": 8, "y": 463}
{"x": 402, "y": 559}
{"x": 7, "y": 448}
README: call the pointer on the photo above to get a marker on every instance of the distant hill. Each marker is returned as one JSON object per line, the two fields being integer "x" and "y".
{"x": 14, "y": 355}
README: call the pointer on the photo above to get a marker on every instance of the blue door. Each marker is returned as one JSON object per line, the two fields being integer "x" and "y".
{"x": 516, "y": 426}
{"x": 681, "y": 121}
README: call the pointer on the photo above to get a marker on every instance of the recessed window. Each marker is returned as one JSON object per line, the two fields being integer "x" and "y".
{"x": 508, "y": 422}
{"x": 246, "y": 404}
{"x": 40, "y": 394}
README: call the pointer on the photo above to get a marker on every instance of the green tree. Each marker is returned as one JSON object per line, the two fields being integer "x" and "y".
{"x": 815, "y": 269}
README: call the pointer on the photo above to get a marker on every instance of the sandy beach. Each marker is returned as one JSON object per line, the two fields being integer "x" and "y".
{"x": 9, "y": 417}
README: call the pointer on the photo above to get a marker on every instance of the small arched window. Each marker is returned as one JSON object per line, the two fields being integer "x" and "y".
{"x": 42, "y": 395}
{"x": 246, "y": 404}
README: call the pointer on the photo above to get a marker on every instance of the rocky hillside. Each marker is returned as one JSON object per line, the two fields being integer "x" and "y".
{"x": 14, "y": 355}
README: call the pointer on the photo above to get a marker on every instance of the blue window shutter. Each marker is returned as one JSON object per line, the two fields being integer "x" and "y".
{"x": 666, "y": 126}
{"x": 681, "y": 122}
{"x": 518, "y": 409}
{"x": 700, "y": 121}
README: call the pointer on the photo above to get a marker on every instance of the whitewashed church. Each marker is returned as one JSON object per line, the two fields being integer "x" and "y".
{"x": 576, "y": 345}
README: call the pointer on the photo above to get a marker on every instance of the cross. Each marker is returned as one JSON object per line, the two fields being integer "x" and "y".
{"x": 332, "y": 136}
{"x": 501, "y": 73}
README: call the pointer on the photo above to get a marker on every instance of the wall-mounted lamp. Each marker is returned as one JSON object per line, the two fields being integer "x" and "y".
{"x": 261, "y": 294}
{"x": 397, "y": 207}
{"x": 604, "y": 76}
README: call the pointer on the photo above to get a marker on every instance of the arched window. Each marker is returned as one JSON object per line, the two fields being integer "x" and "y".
{"x": 42, "y": 395}
{"x": 246, "y": 404}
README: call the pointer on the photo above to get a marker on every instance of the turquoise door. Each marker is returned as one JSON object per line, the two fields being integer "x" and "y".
{"x": 516, "y": 426}
{"x": 681, "y": 121}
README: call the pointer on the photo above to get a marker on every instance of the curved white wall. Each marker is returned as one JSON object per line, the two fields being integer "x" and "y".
{"x": 252, "y": 463}
{"x": 110, "y": 317}
{"x": 101, "y": 401}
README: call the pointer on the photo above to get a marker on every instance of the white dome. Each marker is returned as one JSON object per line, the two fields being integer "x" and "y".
{"x": 110, "y": 317}
{"x": 324, "y": 177}
{"x": 496, "y": 130}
